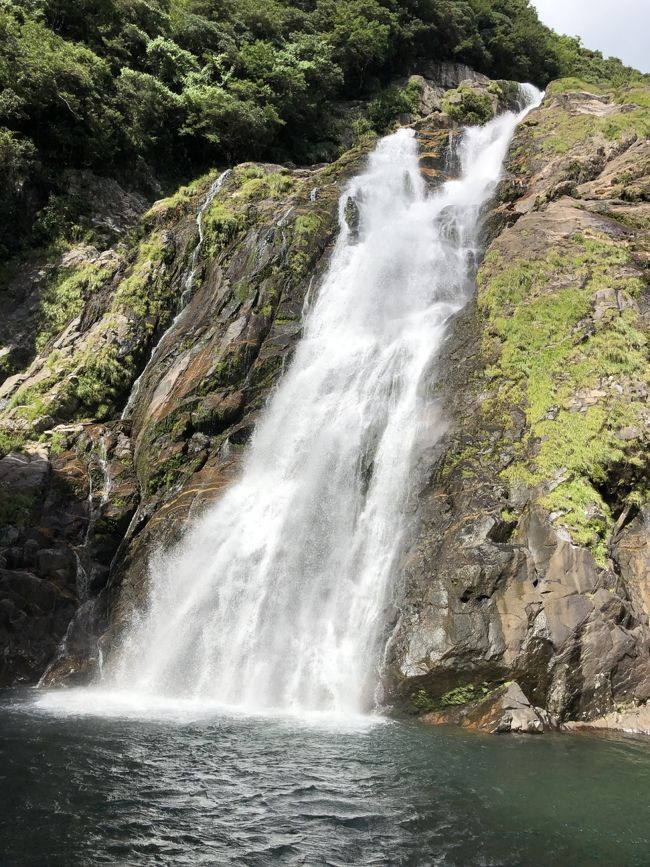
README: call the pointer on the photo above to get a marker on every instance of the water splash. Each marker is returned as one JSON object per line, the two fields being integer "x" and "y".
{"x": 275, "y": 598}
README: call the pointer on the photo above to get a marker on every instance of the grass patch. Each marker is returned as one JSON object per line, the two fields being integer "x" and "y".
{"x": 258, "y": 186}
{"x": 221, "y": 224}
{"x": 145, "y": 291}
{"x": 556, "y": 131}
{"x": 305, "y": 228}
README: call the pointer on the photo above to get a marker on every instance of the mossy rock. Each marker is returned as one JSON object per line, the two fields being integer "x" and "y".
{"x": 469, "y": 106}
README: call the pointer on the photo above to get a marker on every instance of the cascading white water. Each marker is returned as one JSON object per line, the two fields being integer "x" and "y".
{"x": 274, "y": 599}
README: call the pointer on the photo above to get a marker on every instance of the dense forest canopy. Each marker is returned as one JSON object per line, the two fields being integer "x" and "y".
{"x": 135, "y": 87}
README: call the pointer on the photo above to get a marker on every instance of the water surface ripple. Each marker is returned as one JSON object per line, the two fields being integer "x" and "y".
{"x": 233, "y": 790}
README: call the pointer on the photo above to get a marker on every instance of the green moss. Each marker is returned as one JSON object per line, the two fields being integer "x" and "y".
{"x": 145, "y": 291}
{"x": 58, "y": 443}
{"x": 64, "y": 297}
{"x": 16, "y": 508}
{"x": 468, "y": 106}
{"x": 184, "y": 201}
{"x": 464, "y": 694}
{"x": 267, "y": 371}
{"x": 32, "y": 410}
{"x": 305, "y": 228}
{"x": 275, "y": 185}
{"x": 166, "y": 475}
{"x": 249, "y": 171}
{"x": 103, "y": 381}
{"x": 11, "y": 441}
{"x": 573, "y": 85}
{"x": 639, "y": 96}
{"x": 551, "y": 355}
{"x": 230, "y": 370}
{"x": 423, "y": 702}
{"x": 556, "y": 131}
{"x": 221, "y": 223}
{"x": 27, "y": 395}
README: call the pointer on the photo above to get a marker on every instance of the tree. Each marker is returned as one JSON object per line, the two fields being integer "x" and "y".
{"x": 226, "y": 122}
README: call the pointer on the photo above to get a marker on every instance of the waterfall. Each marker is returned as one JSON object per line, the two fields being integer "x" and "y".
{"x": 275, "y": 597}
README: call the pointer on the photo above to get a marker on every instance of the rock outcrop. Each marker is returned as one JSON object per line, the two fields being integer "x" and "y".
{"x": 629, "y": 720}
{"x": 503, "y": 710}
{"x": 531, "y": 557}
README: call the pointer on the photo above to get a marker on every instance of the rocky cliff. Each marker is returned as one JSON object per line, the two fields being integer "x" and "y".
{"x": 530, "y": 555}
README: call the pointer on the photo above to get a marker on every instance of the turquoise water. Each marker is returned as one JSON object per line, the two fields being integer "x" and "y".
{"x": 79, "y": 790}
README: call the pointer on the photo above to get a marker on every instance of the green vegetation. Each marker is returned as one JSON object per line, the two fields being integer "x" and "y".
{"x": 16, "y": 509}
{"x": 590, "y": 66}
{"x": 570, "y": 346}
{"x": 103, "y": 381}
{"x": 460, "y": 695}
{"x": 392, "y": 102}
{"x": 305, "y": 228}
{"x": 11, "y": 441}
{"x": 566, "y": 131}
{"x": 220, "y": 225}
{"x": 145, "y": 290}
{"x": 64, "y": 298}
{"x": 257, "y": 185}
{"x": 165, "y": 475}
{"x": 131, "y": 89}
{"x": 468, "y": 106}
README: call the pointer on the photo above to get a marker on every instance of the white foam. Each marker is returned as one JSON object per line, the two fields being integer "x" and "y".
{"x": 129, "y": 705}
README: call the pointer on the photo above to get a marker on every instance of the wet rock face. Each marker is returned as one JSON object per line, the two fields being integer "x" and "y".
{"x": 59, "y": 536}
{"x": 211, "y": 375}
{"x": 530, "y": 557}
{"x": 42, "y": 504}
{"x": 634, "y": 720}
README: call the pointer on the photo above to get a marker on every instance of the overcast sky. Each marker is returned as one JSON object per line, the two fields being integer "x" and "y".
{"x": 620, "y": 28}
